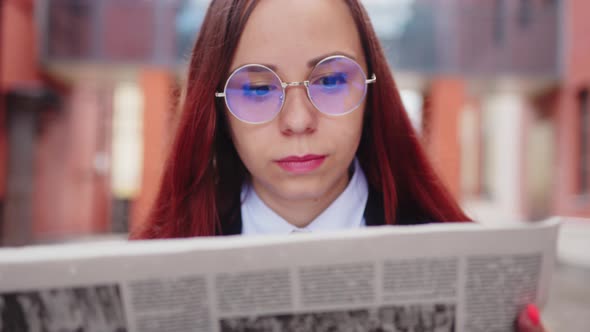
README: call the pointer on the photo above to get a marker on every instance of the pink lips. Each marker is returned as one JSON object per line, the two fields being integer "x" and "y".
{"x": 301, "y": 165}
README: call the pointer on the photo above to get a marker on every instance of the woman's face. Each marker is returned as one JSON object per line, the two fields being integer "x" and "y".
{"x": 289, "y": 35}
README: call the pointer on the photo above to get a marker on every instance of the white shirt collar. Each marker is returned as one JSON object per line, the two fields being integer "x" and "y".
{"x": 347, "y": 211}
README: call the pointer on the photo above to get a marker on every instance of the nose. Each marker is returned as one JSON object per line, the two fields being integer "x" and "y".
{"x": 298, "y": 115}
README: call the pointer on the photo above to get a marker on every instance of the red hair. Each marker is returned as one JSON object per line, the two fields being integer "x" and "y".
{"x": 203, "y": 175}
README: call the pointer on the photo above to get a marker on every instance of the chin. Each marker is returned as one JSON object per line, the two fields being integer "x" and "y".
{"x": 301, "y": 190}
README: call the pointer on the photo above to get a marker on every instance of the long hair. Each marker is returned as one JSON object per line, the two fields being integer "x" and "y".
{"x": 203, "y": 174}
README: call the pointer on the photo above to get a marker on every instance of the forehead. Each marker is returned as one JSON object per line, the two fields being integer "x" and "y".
{"x": 289, "y": 34}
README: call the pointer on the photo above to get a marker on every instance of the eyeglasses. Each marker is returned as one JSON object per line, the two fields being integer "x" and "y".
{"x": 255, "y": 94}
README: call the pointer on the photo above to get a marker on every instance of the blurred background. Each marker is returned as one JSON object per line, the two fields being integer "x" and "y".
{"x": 498, "y": 89}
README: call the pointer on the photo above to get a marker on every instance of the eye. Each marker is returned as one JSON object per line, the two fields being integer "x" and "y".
{"x": 332, "y": 81}
{"x": 258, "y": 90}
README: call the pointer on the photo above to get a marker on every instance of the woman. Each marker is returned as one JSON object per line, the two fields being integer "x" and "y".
{"x": 293, "y": 123}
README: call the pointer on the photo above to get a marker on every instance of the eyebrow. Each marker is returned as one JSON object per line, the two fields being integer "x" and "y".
{"x": 312, "y": 62}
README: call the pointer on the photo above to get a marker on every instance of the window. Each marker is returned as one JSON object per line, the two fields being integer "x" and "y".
{"x": 69, "y": 30}
{"x": 525, "y": 13}
{"x": 499, "y": 32}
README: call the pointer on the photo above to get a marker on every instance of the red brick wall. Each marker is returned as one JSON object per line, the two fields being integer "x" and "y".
{"x": 576, "y": 75}
{"x": 444, "y": 102}
{"x": 69, "y": 197}
{"x": 18, "y": 62}
{"x": 72, "y": 196}
{"x": 157, "y": 88}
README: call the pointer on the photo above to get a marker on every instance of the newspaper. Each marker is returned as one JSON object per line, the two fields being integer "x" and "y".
{"x": 439, "y": 277}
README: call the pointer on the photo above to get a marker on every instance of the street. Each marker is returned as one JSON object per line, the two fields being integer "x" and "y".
{"x": 568, "y": 308}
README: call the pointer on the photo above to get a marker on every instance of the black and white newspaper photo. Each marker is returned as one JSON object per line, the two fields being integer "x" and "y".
{"x": 88, "y": 309}
{"x": 425, "y": 317}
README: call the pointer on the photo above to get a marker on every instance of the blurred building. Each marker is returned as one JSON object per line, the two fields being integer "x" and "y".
{"x": 498, "y": 89}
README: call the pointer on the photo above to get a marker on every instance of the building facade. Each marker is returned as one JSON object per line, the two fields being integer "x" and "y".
{"x": 90, "y": 89}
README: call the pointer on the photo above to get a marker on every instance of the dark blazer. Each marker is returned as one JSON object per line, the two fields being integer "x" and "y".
{"x": 374, "y": 216}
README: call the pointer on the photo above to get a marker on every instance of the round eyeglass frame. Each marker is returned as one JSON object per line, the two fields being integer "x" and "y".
{"x": 285, "y": 85}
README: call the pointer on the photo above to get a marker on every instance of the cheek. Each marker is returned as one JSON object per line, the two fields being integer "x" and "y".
{"x": 346, "y": 132}
{"x": 250, "y": 141}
